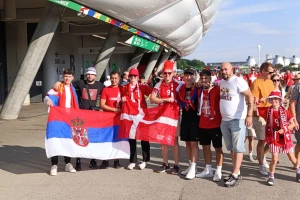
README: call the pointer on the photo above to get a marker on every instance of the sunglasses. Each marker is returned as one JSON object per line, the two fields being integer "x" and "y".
{"x": 167, "y": 73}
{"x": 276, "y": 80}
{"x": 132, "y": 75}
{"x": 269, "y": 72}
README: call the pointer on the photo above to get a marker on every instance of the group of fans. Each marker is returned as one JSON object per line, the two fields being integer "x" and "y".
{"x": 213, "y": 106}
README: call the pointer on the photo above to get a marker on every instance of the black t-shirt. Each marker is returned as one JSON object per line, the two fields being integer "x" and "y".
{"x": 190, "y": 115}
{"x": 83, "y": 98}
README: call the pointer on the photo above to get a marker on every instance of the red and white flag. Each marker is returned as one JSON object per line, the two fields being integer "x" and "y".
{"x": 158, "y": 124}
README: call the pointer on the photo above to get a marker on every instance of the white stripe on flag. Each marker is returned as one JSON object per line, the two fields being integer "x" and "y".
{"x": 102, "y": 151}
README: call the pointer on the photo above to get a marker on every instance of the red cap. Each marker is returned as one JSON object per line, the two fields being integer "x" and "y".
{"x": 275, "y": 94}
{"x": 168, "y": 65}
{"x": 134, "y": 71}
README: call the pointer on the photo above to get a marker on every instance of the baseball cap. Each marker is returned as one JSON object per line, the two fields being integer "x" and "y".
{"x": 91, "y": 70}
{"x": 275, "y": 94}
{"x": 134, "y": 71}
{"x": 189, "y": 71}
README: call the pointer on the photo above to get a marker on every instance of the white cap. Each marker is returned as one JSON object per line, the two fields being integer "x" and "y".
{"x": 91, "y": 70}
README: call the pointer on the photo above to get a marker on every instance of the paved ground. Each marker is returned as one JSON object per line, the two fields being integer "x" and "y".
{"x": 24, "y": 173}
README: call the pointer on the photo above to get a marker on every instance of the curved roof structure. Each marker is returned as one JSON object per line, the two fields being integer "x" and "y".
{"x": 179, "y": 23}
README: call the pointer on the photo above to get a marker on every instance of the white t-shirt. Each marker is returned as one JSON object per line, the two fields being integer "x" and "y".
{"x": 232, "y": 101}
{"x": 68, "y": 96}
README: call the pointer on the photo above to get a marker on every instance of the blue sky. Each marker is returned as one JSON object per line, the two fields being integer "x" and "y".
{"x": 243, "y": 24}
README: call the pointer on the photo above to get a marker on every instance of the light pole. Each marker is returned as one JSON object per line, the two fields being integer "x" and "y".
{"x": 258, "y": 47}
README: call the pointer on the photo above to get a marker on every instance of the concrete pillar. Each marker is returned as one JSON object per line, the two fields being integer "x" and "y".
{"x": 10, "y": 11}
{"x": 136, "y": 58}
{"x": 152, "y": 63}
{"x": 106, "y": 50}
{"x": 165, "y": 57}
{"x": 32, "y": 61}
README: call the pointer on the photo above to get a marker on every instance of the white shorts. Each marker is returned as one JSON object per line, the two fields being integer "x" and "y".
{"x": 276, "y": 149}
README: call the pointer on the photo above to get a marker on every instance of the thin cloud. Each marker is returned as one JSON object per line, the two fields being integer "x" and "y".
{"x": 255, "y": 28}
{"x": 257, "y": 8}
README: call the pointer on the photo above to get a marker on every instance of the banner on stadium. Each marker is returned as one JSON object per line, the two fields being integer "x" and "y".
{"x": 84, "y": 134}
{"x": 158, "y": 124}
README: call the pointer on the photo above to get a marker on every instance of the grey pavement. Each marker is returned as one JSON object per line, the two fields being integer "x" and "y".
{"x": 24, "y": 172}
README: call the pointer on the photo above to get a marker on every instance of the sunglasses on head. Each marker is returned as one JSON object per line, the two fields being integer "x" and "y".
{"x": 167, "y": 73}
{"x": 276, "y": 80}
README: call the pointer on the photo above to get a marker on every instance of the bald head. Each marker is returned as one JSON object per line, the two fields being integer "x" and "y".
{"x": 226, "y": 70}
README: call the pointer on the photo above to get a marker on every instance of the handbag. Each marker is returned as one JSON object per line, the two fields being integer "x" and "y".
{"x": 95, "y": 108}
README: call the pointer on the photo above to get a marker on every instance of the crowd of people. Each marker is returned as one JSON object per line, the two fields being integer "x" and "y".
{"x": 215, "y": 106}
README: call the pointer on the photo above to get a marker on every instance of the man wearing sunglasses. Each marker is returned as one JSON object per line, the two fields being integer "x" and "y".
{"x": 261, "y": 88}
{"x": 166, "y": 91}
{"x": 136, "y": 92}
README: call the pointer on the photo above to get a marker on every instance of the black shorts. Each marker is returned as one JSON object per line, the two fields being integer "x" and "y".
{"x": 211, "y": 135}
{"x": 189, "y": 131}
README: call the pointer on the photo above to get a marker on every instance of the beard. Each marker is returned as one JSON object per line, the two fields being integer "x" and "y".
{"x": 90, "y": 81}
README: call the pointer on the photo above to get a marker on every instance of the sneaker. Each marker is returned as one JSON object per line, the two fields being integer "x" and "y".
{"x": 184, "y": 172}
{"x": 232, "y": 181}
{"x": 228, "y": 177}
{"x": 217, "y": 177}
{"x": 175, "y": 170}
{"x": 78, "y": 165}
{"x": 142, "y": 165}
{"x": 206, "y": 173}
{"x": 163, "y": 168}
{"x": 263, "y": 170}
{"x": 69, "y": 168}
{"x": 53, "y": 171}
{"x": 117, "y": 164}
{"x": 251, "y": 159}
{"x": 270, "y": 181}
{"x": 93, "y": 164}
{"x": 298, "y": 177}
{"x": 191, "y": 174}
{"x": 265, "y": 163}
{"x": 104, "y": 164}
{"x": 131, "y": 166}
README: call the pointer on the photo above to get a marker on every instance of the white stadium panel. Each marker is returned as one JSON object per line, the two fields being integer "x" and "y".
{"x": 167, "y": 21}
{"x": 179, "y": 23}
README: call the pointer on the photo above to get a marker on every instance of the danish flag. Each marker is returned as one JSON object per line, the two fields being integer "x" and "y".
{"x": 158, "y": 124}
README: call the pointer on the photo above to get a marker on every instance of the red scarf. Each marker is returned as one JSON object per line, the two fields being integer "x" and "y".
{"x": 211, "y": 98}
{"x": 187, "y": 103}
{"x": 62, "y": 97}
{"x": 272, "y": 137}
{"x": 129, "y": 91}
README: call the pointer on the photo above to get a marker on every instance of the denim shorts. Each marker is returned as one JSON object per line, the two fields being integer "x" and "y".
{"x": 234, "y": 133}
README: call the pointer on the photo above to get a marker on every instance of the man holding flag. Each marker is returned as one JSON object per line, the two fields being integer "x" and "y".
{"x": 165, "y": 92}
{"x": 136, "y": 94}
{"x": 66, "y": 97}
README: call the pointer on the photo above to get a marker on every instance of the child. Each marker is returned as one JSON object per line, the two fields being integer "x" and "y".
{"x": 278, "y": 135}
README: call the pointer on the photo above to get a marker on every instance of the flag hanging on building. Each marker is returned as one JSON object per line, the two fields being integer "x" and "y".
{"x": 84, "y": 134}
{"x": 158, "y": 124}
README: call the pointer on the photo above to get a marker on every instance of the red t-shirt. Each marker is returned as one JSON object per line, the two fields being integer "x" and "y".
{"x": 144, "y": 90}
{"x": 163, "y": 90}
{"x": 288, "y": 79}
{"x": 112, "y": 95}
{"x": 206, "y": 115}
{"x": 251, "y": 78}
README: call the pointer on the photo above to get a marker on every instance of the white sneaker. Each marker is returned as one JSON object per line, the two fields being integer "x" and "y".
{"x": 263, "y": 170}
{"x": 131, "y": 166}
{"x": 217, "y": 177}
{"x": 251, "y": 159}
{"x": 205, "y": 174}
{"x": 266, "y": 163}
{"x": 184, "y": 172}
{"x": 69, "y": 168}
{"x": 53, "y": 171}
{"x": 142, "y": 165}
{"x": 191, "y": 173}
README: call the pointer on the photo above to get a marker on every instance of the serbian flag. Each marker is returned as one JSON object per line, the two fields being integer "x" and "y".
{"x": 84, "y": 134}
{"x": 158, "y": 124}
